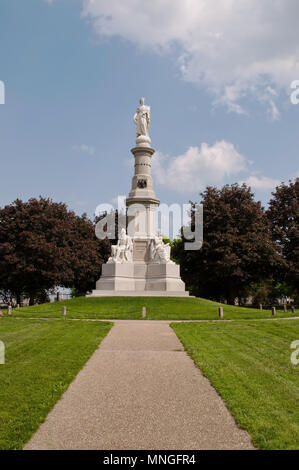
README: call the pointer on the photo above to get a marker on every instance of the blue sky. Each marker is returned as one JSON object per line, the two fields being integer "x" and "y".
{"x": 74, "y": 72}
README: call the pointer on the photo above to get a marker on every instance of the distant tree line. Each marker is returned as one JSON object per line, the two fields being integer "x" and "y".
{"x": 247, "y": 250}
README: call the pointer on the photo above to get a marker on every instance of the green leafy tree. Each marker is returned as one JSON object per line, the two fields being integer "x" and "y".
{"x": 42, "y": 245}
{"x": 237, "y": 246}
{"x": 283, "y": 215}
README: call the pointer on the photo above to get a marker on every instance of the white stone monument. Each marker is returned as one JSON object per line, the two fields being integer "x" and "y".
{"x": 140, "y": 263}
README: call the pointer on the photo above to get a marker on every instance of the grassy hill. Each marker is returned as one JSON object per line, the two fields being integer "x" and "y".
{"x": 130, "y": 308}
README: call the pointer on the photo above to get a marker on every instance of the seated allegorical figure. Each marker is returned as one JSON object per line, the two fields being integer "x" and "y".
{"x": 159, "y": 251}
{"x": 123, "y": 251}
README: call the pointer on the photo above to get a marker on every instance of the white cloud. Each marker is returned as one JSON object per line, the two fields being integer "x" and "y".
{"x": 232, "y": 48}
{"x": 83, "y": 148}
{"x": 261, "y": 183}
{"x": 199, "y": 166}
{"x": 206, "y": 165}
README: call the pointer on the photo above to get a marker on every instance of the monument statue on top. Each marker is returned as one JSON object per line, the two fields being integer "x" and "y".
{"x": 142, "y": 119}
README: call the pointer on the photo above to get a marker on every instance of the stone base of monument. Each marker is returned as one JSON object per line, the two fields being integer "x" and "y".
{"x": 119, "y": 293}
{"x": 140, "y": 279}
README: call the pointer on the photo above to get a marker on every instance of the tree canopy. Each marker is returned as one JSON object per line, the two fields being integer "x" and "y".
{"x": 246, "y": 250}
{"x": 43, "y": 245}
{"x": 283, "y": 215}
{"x": 237, "y": 245}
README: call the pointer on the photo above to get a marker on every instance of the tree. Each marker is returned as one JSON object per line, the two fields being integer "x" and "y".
{"x": 88, "y": 254}
{"x": 42, "y": 245}
{"x": 268, "y": 292}
{"x": 283, "y": 215}
{"x": 237, "y": 247}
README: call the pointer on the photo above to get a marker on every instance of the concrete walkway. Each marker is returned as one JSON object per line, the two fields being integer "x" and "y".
{"x": 140, "y": 390}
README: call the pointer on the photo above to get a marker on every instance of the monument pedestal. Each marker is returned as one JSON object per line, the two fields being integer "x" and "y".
{"x": 116, "y": 276}
{"x": 140, "y": 279}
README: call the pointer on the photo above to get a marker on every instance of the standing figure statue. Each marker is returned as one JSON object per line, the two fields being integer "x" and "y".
{"x": 142, "y": 119}
{"x": 123, "y": 251}
{"x": 159, "y": 251}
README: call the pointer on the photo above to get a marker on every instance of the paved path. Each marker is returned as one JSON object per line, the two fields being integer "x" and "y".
{"x": 140, "y": 390}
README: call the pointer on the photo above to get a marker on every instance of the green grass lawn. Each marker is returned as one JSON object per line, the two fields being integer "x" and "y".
{"x": 249, "y": 365}
{"x": 41, "y": 359}
{"x": 158, "y": 308}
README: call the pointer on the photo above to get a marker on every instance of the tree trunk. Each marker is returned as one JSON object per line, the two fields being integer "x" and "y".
{"x": 18, "y": 298}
